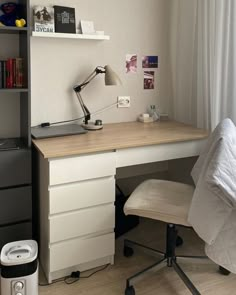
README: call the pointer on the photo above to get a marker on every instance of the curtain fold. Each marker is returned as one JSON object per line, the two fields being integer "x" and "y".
{"x": 204, "y": 63}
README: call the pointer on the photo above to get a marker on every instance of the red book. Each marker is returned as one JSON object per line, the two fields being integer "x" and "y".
{"x": 14, "y": 72}
{"x": 9, "y": 73}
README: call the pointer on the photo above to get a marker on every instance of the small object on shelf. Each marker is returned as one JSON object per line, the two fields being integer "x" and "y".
{"x": 10, "y": 13}
{"x": 64, "y": 19}
{"x": 87, "y": 27}
{"x": 43, "y": 19}
{"x": 20, "y": 23}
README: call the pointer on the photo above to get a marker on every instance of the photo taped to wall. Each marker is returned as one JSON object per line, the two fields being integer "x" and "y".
{"x": 148, "y": 79}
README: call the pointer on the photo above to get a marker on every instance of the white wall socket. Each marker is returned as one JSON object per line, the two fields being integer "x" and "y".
{"x": 123, "y": 101}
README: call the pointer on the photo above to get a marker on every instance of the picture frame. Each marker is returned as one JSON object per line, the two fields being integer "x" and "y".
{"x": 64, "y": 19}
{"x": 87, "y": 27}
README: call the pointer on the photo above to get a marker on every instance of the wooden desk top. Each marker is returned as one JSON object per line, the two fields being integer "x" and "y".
{"x": 118, "y": 136}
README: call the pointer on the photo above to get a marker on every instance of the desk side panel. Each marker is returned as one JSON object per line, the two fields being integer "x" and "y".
{"x": 44, "y": 212}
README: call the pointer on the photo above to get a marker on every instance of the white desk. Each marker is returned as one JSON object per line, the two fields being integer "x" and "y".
{"x": 77, "y": 187}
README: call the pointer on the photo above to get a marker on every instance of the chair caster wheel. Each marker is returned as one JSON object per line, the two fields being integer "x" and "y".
{"x": 224, "y": 271}
{"x": 130, "y": 290}
{"x": 179, "y": 241}
{"x": 128, "y": 251}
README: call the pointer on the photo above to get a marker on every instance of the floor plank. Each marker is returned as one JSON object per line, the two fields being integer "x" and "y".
{"x": 111, "y": 281}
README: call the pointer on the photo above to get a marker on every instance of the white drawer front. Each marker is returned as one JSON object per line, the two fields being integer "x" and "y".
{"x": 159, "y": 152}
{"x": 82, "y": 222}
{"x": 81, "y": 168}
{"x": 74, "y": 252}
{"x": 81, "y": 195}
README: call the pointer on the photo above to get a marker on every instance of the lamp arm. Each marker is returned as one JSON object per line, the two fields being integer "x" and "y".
{"x": 80, "y": 87}
{"x": 87, "y": 114}
{"x": 98, "y": 70}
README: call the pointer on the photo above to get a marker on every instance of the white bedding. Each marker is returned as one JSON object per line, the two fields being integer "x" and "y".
{"x": 212, "y": 211}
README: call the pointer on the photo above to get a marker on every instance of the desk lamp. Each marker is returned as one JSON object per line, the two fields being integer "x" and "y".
{"x": 111, "y": 78}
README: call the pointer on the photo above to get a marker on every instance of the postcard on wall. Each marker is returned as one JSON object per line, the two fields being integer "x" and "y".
{"x": 148, "y": 79}
{"x": 131, "y": 63}
{"x": 150, "y": 61}
{"x": 64, "y": 19}
{"x": 43, "y": 19}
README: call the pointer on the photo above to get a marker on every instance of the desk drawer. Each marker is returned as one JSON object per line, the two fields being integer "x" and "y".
{"x": 74, "y": 252}
{"x": 77, "y": 168}
{"x": 82, "y": 222}
{"x": 81, "y": 195}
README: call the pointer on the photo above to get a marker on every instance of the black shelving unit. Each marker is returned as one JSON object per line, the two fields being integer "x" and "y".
{"x": 15, "y": 164}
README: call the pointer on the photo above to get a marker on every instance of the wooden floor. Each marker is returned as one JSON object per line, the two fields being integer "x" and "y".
{"x": 111, "y": 281}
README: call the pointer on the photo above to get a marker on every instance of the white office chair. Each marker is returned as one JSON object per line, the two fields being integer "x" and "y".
{"x": 165, "y": 201}
{"x": 171, "y": 203}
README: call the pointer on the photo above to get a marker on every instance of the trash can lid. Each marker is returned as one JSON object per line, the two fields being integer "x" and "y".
{"x": 19, "y": 252}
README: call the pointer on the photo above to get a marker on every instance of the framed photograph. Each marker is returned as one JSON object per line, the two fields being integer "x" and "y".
{"x": 43, "y": 17}
{"x": 64, "y": 19}
{"x": 87, "y": 27}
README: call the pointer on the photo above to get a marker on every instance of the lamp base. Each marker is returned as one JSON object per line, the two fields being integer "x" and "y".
{"x": 92, "y": 126}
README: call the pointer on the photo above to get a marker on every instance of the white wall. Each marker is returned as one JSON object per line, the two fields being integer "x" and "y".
{"x": 135, "y": 26}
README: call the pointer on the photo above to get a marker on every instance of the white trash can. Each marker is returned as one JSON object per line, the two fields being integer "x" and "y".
{"x": 19, "y": 268}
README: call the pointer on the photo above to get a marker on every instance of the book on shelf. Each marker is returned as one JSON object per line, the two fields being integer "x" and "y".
{"x": 64, "y": 19}
{"x": 11, "y": 73}
{"x": 3, "y": 73}
{"x": 19, "y": 73}
{"x": 43, "y": 17}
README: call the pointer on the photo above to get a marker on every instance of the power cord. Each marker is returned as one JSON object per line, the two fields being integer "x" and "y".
{"x": 74, "y": 277}
{"x": 48, "y": 124}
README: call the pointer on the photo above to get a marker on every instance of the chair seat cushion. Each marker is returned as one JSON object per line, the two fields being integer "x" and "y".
{"x": 163, "y": 200}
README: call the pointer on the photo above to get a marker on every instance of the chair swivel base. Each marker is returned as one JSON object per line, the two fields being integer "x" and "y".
{"x": 168, "y": 259}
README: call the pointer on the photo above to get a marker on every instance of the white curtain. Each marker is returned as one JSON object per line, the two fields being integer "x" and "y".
{"x": 203, "y": 59}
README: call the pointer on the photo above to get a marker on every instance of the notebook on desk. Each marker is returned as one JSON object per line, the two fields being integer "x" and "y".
{"x": 55, "y": 131}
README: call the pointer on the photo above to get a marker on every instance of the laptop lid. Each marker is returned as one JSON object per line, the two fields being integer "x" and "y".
{"x": 54, "y": 131}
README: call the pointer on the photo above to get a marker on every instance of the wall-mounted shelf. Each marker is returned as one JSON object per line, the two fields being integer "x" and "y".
{"x": 13, "y": 90}
{"x": 71, "y": 36}
{"x": 12, "y": 30}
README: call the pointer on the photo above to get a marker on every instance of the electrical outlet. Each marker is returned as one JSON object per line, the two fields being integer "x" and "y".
{"x": 123, "y": 101}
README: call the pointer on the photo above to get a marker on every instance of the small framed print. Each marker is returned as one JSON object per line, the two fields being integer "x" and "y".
{"x": 87, "y": 27}
{"x": 64, "y": 19}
